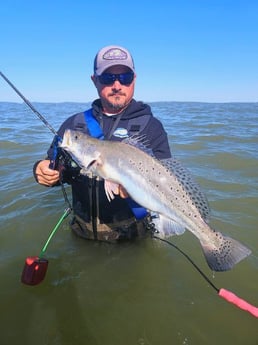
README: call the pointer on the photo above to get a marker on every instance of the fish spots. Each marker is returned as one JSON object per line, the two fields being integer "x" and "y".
{"x": 132, "y": 162}
{"x": 187, "y": 187}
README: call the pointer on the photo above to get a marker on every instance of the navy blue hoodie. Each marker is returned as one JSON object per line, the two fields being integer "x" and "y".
{"x": 137, "y": 118}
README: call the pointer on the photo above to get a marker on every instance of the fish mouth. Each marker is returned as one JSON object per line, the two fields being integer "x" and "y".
{"x": 66, "y": 142}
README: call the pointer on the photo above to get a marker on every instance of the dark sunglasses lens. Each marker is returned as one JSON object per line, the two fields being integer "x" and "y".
{"x": 106, "y": 79}
{"x": 109, "y": 79}
{"x": 126, "y": 78}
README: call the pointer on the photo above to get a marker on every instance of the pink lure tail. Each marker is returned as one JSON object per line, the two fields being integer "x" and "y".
{"x": 240, "y": 303}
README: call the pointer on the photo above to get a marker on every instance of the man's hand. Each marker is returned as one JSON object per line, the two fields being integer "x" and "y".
{"x": 112, "y": 189}
{"x": 122, "y": 192}
{"x": 45, "y": 175}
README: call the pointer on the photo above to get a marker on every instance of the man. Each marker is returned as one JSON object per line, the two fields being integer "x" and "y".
{"x": 117, "y": 116}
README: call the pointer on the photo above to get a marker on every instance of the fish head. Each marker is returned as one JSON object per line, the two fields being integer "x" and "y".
{"x": 82, "y": 148}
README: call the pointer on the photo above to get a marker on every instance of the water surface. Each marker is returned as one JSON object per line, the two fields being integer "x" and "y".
{"x": 141, "y": 293}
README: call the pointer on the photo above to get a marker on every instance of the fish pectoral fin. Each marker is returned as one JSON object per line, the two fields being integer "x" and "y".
{"x": 111, "y": 189}
{"x": 226, "y": 254}
{"x": 167, "y": 227}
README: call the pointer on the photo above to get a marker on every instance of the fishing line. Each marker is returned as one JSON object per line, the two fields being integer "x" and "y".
{"x": 226, "y": 294}
{"x": 35, "y": 267}
{"x": 189, "y": 259}
{"x": 65, "y": 214}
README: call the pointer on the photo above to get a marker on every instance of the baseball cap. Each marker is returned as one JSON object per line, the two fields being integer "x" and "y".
{"x": 112, "y": 56}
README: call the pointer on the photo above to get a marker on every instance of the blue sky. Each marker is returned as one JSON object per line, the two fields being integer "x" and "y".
{"x": 183, "y": 50}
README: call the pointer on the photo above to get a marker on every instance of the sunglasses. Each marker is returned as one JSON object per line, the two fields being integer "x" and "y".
{"x": 123, "y": 78}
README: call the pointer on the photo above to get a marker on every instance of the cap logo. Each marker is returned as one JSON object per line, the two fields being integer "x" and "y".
{"x": 115, "y": 54}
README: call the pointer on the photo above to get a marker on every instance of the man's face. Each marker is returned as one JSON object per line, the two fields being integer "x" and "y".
{"x": 116, "y": 96}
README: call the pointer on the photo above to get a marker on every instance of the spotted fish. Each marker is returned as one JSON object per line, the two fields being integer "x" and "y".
{"x": 165, "y": 188}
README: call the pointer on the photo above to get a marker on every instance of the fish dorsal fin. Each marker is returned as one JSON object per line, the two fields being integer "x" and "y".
{"x": 140, "y": 142}
{"x": 192, "y": 188}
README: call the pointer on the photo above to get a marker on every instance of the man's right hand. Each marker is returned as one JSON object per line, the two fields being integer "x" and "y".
{"x": 45, "y": 175}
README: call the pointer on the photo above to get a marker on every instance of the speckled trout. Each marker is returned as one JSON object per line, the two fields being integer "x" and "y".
{"x": 167, "y": 189}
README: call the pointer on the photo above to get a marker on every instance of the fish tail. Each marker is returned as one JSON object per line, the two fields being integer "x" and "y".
{"x": 226, "y": 254}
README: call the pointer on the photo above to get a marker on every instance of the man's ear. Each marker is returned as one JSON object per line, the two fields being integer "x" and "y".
{"x": 94, "y": 79}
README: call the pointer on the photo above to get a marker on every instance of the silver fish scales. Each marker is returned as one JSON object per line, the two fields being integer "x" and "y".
{"x": 164, "y": 188}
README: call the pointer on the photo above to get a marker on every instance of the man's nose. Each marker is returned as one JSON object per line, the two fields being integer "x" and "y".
{"x": 116, "y": 85}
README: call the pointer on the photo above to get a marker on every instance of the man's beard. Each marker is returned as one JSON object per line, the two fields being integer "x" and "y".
{"x": 116, "y": 105}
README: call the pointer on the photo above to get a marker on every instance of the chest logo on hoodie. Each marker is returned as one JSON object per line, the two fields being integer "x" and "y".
{"x": 121, "y": 133}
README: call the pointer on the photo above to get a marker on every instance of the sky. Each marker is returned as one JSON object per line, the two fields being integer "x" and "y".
{"x": 184, "y": 50}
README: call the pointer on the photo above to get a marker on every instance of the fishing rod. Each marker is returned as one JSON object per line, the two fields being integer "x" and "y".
{"x": 35, "y": 267}
{"x": 41, "y": 117}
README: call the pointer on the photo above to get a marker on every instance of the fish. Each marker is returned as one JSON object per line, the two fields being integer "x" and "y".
{"x": 166, "y": 189}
